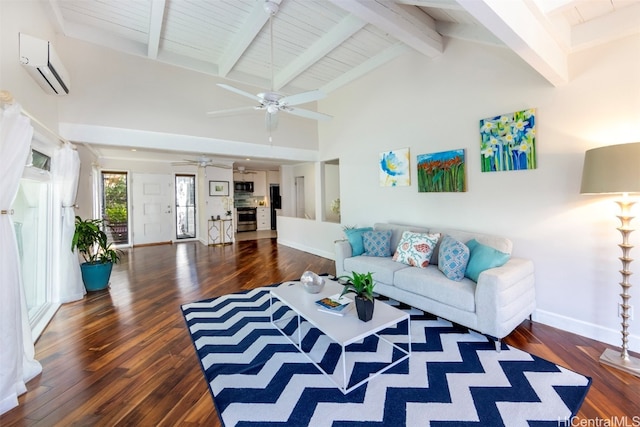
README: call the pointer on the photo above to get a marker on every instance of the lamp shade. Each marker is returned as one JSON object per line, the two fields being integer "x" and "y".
{"x": 612, "y": 169}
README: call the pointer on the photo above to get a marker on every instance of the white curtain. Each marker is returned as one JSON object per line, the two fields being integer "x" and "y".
{"x": 65, "y": 170}
{"x": 17, "y": 363}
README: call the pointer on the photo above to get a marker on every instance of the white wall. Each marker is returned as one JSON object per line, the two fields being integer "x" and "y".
{"x": 26, "y": 17}
{"x": 120, "y": 91}
{"x": 435, "y": 105}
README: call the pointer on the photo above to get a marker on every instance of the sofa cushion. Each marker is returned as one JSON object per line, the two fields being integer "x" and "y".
{"x": 483, "y": 257}
{"x": 431, "y": 283}
{"x": 377, "y": 243}
{"x": 383, "y": 269}
{"x": 354, "y": 236}
{"x": 415, "y": 249}
{"x": 500, "y": 243}
{"x": 453, "y": 258}
{"x": 397, "y": 230}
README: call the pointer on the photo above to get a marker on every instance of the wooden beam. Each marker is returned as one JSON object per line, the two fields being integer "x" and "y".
{"x": 251, "y": 28}
{"x": 334, "y": 38}
{"x": 521, "y": 30}
{"x": 408, "y": 24}
{"x": 366, "y": 67}
{"x": 472, "y": 33}
{"x": 436, "y": 4}
{"x": 155, "y": 27}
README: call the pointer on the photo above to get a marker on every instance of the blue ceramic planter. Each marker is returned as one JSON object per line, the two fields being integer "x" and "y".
{"x": 96, "y": 276}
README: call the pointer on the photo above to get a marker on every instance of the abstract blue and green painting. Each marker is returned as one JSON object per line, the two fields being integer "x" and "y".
{"x": 394, "y": 168}
{"x": 508, "y": 142}
{"x": 442, "y": 172}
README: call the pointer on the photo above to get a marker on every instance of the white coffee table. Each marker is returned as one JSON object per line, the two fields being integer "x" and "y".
{"x": 344, "y": 330}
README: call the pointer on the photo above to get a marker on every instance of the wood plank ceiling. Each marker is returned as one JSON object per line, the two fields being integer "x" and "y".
{"x": 324, "y": 44}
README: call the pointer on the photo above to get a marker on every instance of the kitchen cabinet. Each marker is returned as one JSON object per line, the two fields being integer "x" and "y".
{"x": 220, "y": 232}
{"x": 260, "y": 183}
{"x": 264, "y": 218}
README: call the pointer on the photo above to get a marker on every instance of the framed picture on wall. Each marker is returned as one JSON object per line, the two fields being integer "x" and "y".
{"x": 218, "y": 188}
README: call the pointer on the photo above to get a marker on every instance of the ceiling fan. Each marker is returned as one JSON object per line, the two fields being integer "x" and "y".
{"x": 242, "y": 170}
{"x": 202, "y": 162}
{"x": 271, "y": 101}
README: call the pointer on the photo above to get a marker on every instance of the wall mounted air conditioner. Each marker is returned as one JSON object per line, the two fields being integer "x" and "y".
{"x": 43, "y": 64}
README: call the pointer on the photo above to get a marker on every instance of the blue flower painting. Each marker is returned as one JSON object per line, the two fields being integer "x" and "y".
{"x": 508, "y": 142}
{"x": 394, "y": 168}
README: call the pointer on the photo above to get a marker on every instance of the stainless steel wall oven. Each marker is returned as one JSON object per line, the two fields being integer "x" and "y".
{"x": 247, "y": 219}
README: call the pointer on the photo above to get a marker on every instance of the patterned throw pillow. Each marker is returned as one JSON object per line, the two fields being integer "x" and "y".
{"x": 377, "y": 243}
{"x": 453, "y": 258}
{"x": 415, "y": 249}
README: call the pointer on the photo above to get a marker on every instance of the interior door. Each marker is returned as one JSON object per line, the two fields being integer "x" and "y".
{"x": 152, "y": 200}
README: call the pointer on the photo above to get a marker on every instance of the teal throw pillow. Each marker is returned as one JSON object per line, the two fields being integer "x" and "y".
{"x": 377, "y": 243}
{"x": 453, "y": 258}
{"x": 481, "y": 258}
{"x": 354, "y": 236}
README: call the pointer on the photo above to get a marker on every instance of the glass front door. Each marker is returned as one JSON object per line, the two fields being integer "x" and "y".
{"x": 185, "y": 206}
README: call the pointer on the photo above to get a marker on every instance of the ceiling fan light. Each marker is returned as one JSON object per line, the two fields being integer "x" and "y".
{"x": 272, "y": 109}
{"x": 270, "y": 7}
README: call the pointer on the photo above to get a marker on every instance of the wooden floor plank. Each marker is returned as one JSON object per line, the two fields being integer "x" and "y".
{"x": 124, "y": 357}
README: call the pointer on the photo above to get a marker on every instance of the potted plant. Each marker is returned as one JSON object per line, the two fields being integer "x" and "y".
{"x": 362, "y": 285}
{"x": 99, "y": 256}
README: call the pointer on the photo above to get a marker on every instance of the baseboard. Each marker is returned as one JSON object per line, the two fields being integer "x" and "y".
{"x": 315, "y": 251}
{"x": 599, "y": 333}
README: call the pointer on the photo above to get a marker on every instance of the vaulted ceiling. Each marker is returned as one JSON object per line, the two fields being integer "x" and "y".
{"x": 325, "y": 44}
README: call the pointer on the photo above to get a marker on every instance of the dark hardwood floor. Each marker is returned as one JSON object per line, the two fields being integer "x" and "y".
{"x": 123, "y": 356}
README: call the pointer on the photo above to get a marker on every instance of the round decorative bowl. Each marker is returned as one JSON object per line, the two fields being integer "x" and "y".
{"x": 311, "y": 282}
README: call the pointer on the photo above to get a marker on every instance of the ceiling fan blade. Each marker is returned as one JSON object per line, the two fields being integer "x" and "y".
{"x": 271, "y": 121}
{"x": 307, "y": 114}
{"x": 220, "y": 165}
{"x": 240, "y": 92}
{"x": 302, "y": 98}
{"x": 231, "y": 111}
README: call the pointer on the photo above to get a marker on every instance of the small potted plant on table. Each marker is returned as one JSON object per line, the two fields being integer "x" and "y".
{"x": 362, "y": 285}
{"x": 99, "y": 256}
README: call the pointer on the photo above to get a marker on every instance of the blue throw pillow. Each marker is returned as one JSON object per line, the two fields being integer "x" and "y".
{"x": 354, "y": 236}
{"x": 481, "y": 258}
{"x": 453, "y": 258}
{"x": 377, "y": 243}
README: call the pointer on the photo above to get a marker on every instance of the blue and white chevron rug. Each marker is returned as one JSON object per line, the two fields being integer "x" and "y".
{"x": 454, "y": 377}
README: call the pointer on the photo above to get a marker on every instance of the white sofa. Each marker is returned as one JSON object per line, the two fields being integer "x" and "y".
{"x": 500, "y": 300}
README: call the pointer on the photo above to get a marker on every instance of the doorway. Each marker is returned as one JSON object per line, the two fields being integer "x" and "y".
{"x": 185, "y": 206}
{"x": 152, "y": 217}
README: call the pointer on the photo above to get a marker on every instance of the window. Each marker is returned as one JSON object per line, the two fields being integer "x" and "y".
{"x": 32, "y": 213}
{"x": 185, "y": 206}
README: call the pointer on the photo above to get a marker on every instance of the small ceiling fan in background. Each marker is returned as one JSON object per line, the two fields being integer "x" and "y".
{"x": 271, "y": 101}
{"x": 202, "y": 162}
{"x": 242, "y": 170}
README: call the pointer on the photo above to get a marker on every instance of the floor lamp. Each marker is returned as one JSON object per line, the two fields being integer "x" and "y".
{"x": 616, "y": 169}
